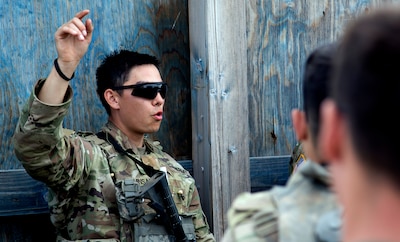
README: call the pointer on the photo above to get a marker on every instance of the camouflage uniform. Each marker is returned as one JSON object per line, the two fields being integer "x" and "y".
{"x": 78, "y": 168}
{"x": 303, "y": 210}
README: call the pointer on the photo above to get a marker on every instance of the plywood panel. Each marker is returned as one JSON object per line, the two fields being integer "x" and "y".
{"x": 27, "y": 53}
{"x": 280, "y": 35}
{"x": 220, "y": 125}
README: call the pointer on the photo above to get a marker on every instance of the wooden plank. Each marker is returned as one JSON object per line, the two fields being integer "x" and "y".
{"x": 200, "y": 106}
{"x": 219, "y": 94}
{"x": 168, "y": 20}
{"x": 268, "y": 171}
{"x": 27, "y": 228}
{"x": 20, "y": 194}
{"x": 265, "y": 172}
{"x": 280, "y": 35}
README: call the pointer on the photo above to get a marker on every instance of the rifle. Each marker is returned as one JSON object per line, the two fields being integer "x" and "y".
{"x": 163, "y": 203}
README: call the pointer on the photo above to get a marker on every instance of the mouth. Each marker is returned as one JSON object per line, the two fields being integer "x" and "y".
{"x": 158, "y": 116}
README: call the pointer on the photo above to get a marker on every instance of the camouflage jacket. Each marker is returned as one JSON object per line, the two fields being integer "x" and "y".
{"x": 79, "y": 167}
{"x": 303, "y": 210}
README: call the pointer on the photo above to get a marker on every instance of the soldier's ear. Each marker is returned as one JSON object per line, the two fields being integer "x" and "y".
{"x": 112, "y": 98}
{"x": 299, "y": 124}
{"x": 332, "y": 133}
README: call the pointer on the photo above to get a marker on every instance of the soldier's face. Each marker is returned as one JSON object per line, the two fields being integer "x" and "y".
{"x": 140, "y": 115}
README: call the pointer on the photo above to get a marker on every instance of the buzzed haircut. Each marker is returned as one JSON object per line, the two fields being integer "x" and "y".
{"x": 366, "y": 88}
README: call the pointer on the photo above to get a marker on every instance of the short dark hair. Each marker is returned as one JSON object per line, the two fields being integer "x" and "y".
{"x": 317, "y": 74}
{"x": 366, "y": 89}
{"x": 114, "y": 70}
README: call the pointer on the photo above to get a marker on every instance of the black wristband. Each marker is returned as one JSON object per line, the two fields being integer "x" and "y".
{"x": 60, "y": 72}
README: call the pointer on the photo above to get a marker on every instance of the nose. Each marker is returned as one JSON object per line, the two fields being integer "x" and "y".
{"x": 158, "y": 100}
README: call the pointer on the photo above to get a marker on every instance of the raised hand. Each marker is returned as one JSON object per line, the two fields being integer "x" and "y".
{"x": 73, "y": 38}
{"x": 72, "y": 41}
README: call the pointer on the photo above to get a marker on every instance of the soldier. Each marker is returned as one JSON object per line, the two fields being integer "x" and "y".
{"x": 108, "y": 186}
{"x": 305, "y": 209}
{"x": 359, "y": 134}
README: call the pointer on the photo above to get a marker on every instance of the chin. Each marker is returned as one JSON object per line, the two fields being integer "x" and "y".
{"x": 154, "y": 130}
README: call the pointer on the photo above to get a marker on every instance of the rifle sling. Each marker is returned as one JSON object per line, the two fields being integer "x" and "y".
{"x": 150, "y": 171}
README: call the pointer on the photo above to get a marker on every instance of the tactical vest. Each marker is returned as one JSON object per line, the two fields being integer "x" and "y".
{"x": 131, "y": 197}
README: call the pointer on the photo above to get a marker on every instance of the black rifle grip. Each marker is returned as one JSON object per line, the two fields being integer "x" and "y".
{"x": 171, "y": 209}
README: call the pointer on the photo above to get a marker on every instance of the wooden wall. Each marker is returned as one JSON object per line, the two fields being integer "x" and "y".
{"x": 158, "y": 27}
{"x": 280, "y": 35}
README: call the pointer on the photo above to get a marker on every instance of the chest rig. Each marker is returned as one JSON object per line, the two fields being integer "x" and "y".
{"x": 165, "y": 224}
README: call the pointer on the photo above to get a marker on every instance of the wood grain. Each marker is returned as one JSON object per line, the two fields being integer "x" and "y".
{"x": 27, "y": 51}
{"x": 280, "y": 35}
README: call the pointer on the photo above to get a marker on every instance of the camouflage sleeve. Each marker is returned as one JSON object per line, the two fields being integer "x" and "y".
{"x": 185, "y": 194}
{"x": 252, "y": 217}
{"x": 203, "y": 233}
{"x": 187, "y": 199}
{"x": 42, "y": 145}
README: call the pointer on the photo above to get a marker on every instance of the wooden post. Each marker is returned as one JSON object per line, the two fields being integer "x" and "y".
{"x": 218, "y": 57}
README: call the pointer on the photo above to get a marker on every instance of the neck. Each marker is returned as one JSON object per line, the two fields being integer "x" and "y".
{"x": 137, "y": 143}
{"x": 376, "y": 219}
{"x": 134, "y": 139}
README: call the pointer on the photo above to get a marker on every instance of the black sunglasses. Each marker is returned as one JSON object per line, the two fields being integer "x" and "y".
{"x": 146, "y": 90}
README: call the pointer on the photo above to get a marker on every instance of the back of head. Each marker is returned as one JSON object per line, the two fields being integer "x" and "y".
{"x": 366, "y": 89}
{"x": 317, "y": 74}
{"x": 316, "y": 77}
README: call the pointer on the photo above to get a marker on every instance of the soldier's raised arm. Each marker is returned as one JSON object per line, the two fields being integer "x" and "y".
{"x": 72, "y": 41}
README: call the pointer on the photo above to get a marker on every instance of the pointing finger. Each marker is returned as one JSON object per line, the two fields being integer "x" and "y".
{"x": 82, "y": 13}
